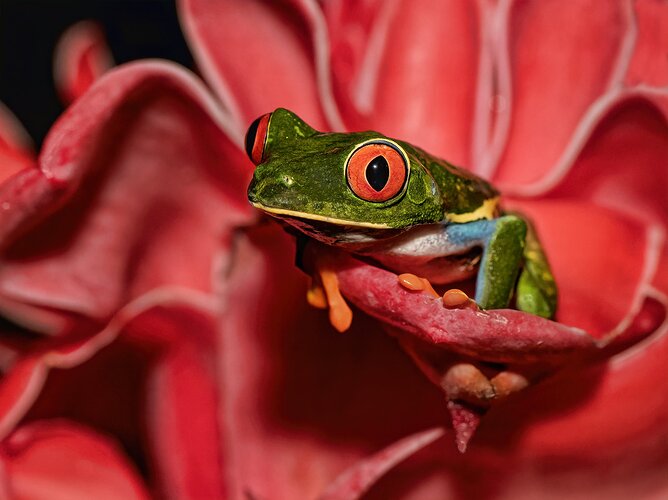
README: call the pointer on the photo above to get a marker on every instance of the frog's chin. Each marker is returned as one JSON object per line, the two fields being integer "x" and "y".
{"x": 333, "y": 231}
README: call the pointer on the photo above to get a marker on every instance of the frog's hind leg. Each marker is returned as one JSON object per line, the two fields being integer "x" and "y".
{"x": 536, "y": 289}
{"x": 502, "y": 240}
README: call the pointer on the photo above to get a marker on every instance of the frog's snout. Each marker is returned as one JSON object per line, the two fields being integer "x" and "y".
{"x": 270, "y": 191}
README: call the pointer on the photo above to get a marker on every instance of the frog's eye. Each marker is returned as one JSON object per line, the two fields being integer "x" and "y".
{"x": 256, "y": 137}
{"x": 376, "y": 171}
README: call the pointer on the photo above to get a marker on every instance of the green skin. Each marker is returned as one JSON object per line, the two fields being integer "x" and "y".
{"x": 302, "y": 180}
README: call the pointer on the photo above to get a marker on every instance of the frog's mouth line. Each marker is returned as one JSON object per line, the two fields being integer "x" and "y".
{"x": 322, "y": 218}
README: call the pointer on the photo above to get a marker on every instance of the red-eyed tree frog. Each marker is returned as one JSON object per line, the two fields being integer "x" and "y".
{"x": 400, "y": 206}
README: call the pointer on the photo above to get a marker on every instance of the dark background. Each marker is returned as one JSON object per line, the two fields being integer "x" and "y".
{"x": 30, "y": 29}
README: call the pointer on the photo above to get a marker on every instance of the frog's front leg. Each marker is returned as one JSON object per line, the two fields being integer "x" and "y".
{"x": 502, "y": 240}
{"x": 509, "y": 243}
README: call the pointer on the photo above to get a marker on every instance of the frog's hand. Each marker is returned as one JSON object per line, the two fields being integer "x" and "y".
{"x": 502, "y": 240}
{"x": 536, "y": 290}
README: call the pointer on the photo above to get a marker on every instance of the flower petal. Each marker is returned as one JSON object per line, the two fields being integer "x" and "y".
{"x": 500, "y": 335}
{"x": 257, "y": 55}
{"x": 597, "y": 431}
{"x": 603, "y": 430}
{"x": 141, "y": 380}
{"x": 408, "y": 69}
{"x": 594, "y": 248}
{"x": 649, "y": 65}
{"x": 550, "y": 42}
{"x": 624, "y": 165}
{"x": 138, "y": 177}
{"x": 182, "y": 403}
{"x": 80, "y": 58}
{"x": 354, "y": 482}
{"x": 58, "y": 460}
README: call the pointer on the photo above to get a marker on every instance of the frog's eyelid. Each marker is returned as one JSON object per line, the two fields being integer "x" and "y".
{"x": 256, "y": 138}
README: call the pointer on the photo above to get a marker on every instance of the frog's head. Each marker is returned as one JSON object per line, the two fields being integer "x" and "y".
{"x": 327, "y": 184}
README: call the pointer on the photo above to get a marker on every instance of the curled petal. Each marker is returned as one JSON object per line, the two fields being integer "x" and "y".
{"x": 80, "y": 58}
{"x": 257, "y": 55}
{"x": 549, "y": 42}
{"x": 137, "y": 177}
{"x": 408, "y": 69}
{"x": 59, "y": 460}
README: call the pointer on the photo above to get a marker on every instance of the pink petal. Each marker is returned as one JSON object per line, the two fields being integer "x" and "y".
{"x": 136, "y": 178}
{"x": 256, "y": 55}
{"x": 624, "y": 165}
{"x": 498, "y": 335}
{"x": 601, "y": 259}
{"x": 302, "y": 401}
{"x": 354, "y": 482}
{"x": 408, "y": 69}
{"x": 563, "y": 57}
{"x": 80, "y": 58}
{"x": 598, "y": 431}
{"x": 143, "y": 381}
{"x": 649, "y": 65}
{"x": 57, "y": 460}
{"x": 182, "y": 404}
{"x": 15, "y": 145}
{"x": 601, "y": 431}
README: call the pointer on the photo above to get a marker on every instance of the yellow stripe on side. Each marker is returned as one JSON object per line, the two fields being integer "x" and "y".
{"x": 303, "y": 215}
{"x": 485, "y": 211}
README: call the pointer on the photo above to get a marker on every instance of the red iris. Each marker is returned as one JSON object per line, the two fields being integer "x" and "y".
{"x": 376, "y": 172}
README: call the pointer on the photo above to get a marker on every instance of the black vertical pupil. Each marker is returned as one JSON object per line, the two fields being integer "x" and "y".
{"x": 377, "y": 173}
{"x": 250, "y": 137}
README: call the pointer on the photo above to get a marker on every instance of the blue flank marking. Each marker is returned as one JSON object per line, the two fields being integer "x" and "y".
{"x": 472, "y": 234}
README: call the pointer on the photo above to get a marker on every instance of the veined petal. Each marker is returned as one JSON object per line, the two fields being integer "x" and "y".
{"x": 80, "y": 58}
{"x": 59, "y": 460}
{"x": 138, "y": 177}
{"x": 563, "y": 57}
{"x": 408, "y": 69}
{"x": 257, "y": 55}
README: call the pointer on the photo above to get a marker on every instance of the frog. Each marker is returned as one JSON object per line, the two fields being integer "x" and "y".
{"x": 388, "y": 201}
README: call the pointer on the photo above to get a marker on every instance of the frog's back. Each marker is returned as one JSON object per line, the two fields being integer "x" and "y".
{"x": 466, "y": 197}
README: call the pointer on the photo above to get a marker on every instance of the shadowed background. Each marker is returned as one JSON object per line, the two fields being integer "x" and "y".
{"x": 29, "y": 32}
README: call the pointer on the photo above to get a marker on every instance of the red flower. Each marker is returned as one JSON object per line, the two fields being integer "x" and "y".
{"x": 155, "y": 328}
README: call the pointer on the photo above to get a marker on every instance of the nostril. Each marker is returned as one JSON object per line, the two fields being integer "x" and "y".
{"x": 287, "y": 181}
